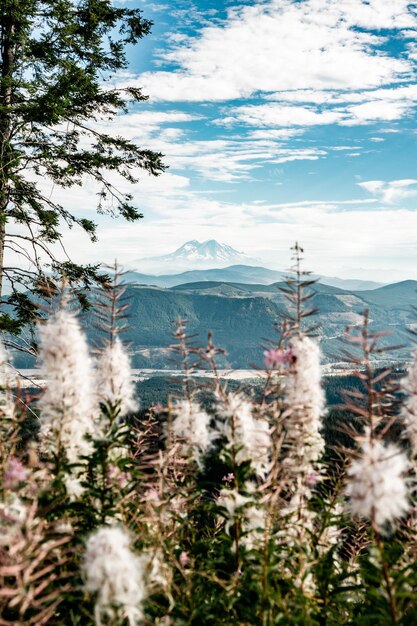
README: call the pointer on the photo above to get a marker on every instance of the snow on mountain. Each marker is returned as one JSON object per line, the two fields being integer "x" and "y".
{"x": 196, "y": 255}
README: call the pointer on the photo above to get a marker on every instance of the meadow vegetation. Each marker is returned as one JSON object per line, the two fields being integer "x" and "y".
{"x": 218, "y": 506}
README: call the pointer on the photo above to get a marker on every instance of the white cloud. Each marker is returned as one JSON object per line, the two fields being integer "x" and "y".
{"x": 142, "y": 124}
{"x": 376, "y": 111}
{"x": 281, "y": 115}
{"x": 344, "y": 148}
{"x": 156, "y": 118}
{"x": 282, "y": 45}
{"x": 406, "y": 93}
{"x": 391, "y": 192}
{"x": 276, "y": 114}
{"x": 292, "y": 154}
{"x": 279, "y": 134}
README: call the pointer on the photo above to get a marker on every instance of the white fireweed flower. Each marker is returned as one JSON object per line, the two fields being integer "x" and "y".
{"x": 14, "y": 509}
{"x": 332, "y": 532}
{"x": 67, "y": 407}
{"x": 115, "y": 574}
{"x": 7, "y": 378}
{"x": 299, "y": 519}
{"x": 73, "y": 485}
{"x": 13, "y": 515}
{"x": 376, "y": 486}
{"x": 304, "y": 398}
{"x": 192, "y": 423}
{"x": 409, "y": 409}
{"x": 159, "y": 573}
{"x": 114, "y": 378}
{"x": 250, "y": 514}
{"x": 251, "y": 436}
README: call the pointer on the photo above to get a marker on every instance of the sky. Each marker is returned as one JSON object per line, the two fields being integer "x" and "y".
{"x": 280, "y": 120}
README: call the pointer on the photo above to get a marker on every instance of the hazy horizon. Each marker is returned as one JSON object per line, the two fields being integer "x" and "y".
{"x": 146, "y": 265}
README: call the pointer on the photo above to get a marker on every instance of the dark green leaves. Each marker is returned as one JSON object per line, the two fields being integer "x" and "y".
{"x": 56, "y": 61}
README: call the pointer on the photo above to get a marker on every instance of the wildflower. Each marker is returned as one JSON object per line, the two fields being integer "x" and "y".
{"x": 114, "y": 379}
{"x": 158, "y": 572}
{"x": 13, "y": 510}
{"x": 6, "y": 380}
{"x": 13, "y": 516}
{"x": 14, "y": 474}
{"x": 115, "y": 476}
{"x": 168, "y": 510}
{"x": 115, "y": 574}
{"x": 153, "y": 495}
{"x": 184, "y": 559}
{"x": 312, "y": 479}
{"x": 249, "y": 436}
{"x": 67, "y": 407}
{"x": 249, "y": 514}
{"x": 276, "y": 357}
{"x": 303, "y": 444}
{"x": 192, "y": 423}
{"x": 304, "y": 398}
{"x": 409, "y": 410}
{"x": 299, "y": 518}
{"x": 73, "y": 485}
{"x": 330, "y": 535}
{"x": 376, "y": 487}
{"x": 64, "y": 527}
{"x": 210, "y": 352}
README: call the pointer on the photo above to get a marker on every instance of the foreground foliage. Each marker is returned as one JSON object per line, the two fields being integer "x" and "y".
{"x": 231, "y": 511}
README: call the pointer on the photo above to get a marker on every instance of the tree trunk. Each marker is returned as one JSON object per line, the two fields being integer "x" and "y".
{"x": 7, "y": 31}
{"x": 2, "y": 241}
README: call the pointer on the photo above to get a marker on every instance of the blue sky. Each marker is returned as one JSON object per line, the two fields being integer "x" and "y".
{"x": 280, "y": 120}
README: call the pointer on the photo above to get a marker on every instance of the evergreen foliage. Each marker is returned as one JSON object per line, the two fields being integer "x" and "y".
{"x": 57, "y": 96}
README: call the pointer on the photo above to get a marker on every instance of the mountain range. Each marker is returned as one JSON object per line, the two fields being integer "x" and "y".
{"x": 242, "y": 316}
{"x": 246, "y": 274}
{"x": 241, "y": 304}
{"x": 212, "y": 260}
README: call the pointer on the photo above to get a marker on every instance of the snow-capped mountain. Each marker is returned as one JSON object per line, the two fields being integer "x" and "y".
{"x": 196, "y": 255}
{"x": 209, "y": 250}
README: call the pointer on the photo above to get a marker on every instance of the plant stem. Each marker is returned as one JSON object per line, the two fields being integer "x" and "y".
{"x": 385, "y": 573}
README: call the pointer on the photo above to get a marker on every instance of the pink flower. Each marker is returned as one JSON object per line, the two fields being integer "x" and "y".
{"x": 229, "y": 478}
{"x": 312, "y": 479}
{"x": 276, "y": 357}
{"x": 117, "y": 477}
{"x": 184, "y": 558}
{"x": 14, "y": 474}
{"x": 210, "y": 353}
{"x": 153, "y": 495}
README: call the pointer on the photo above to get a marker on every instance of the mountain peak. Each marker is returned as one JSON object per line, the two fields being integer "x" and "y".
{"x": 209, "y": 249}
{"x": 194, "y": 254}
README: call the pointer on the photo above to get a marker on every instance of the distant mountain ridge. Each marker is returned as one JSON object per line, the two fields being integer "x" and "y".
{"x": 241, "y": 316}
{"x": 210, "y": 260}
{"x": 238, "y": 274}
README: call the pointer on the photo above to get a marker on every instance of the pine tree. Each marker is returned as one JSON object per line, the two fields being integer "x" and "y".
{"x": 57, "y": 64}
